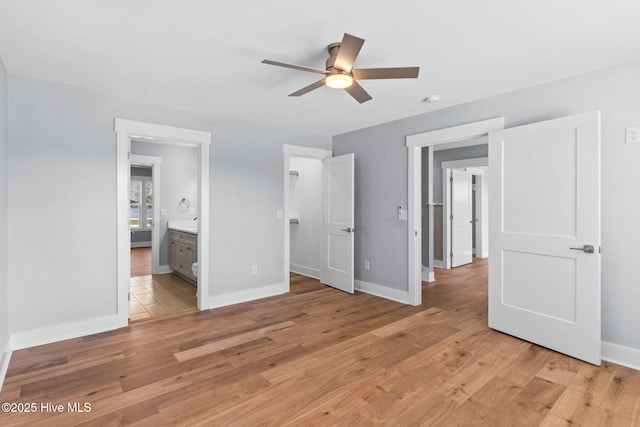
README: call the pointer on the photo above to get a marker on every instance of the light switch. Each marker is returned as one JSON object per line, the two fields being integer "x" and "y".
{"x": 163, "y": 212}
{"x": 279, "y": 214}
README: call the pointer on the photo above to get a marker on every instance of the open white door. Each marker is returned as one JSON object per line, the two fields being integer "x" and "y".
{"x": 544, "y": 275}
{"x": 461, "y": 218}
{"x": 338, "y": 228}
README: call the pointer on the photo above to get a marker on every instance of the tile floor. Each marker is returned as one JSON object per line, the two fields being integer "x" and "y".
{"x": 160, "y": 294}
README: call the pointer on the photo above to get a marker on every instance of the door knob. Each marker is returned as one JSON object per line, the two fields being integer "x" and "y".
{"x": 587, "y": 249}
{"x": 348, "y": 230}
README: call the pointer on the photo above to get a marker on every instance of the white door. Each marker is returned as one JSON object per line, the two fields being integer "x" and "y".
{"x": 338, "y": 227}
{"x": 544, "y": 279}
{"x": 461, "y": 218}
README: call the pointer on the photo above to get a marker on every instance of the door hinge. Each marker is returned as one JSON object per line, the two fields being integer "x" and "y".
{"x": 415, "y": 233}
{"x": 451, "y": 217}
{"x": 128, "y": 155}
{"x": 129, "y": 296}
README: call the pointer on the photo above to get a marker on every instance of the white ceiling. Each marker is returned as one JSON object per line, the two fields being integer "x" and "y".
{"x": 205, "y": 55}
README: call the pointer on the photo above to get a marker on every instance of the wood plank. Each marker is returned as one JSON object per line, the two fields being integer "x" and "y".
{"x": 318, "y": 356}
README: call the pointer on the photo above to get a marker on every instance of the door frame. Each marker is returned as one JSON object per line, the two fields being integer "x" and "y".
{"x": 446, "y": 192}
{"x": 295, "y": 151}
{"x": 154, "y": 162}
{"x": 151, "y": 132}
{"x": 453, "y": 137}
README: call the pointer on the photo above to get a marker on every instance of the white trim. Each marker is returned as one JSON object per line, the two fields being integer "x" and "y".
{"x": 414, "y": 211}
{"x": 438, "y": 263}
{"x": 428, "y": 276}
{"x": 446, "y": 216}
{"x": 165, "y": 269}
{"x": 5, "y": 358}
{"x": 476, "y": 162}
{"x": 142, "y": 245}
{"x": 383, "y": 291}
{"x": 461, "y": 133}
{"x": 155, "y": 133}
{"x": 222, "y": 300}
{"x": 55, "y": 333}
{"x": 305, "y": 271}
{"x": 155, "y": 163}
{"x": 625, "y": 356}
{"x": 295, "y": 151}
{"x": 415, "y": 143}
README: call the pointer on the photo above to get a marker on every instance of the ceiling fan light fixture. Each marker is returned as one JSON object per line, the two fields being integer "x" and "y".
{"x": 338, "y": 81}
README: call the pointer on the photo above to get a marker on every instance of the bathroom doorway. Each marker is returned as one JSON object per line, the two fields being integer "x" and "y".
{"x": 156, "y": 205}
{"x": 126, "y": 132}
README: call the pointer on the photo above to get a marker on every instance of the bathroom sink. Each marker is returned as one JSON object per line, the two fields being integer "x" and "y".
{"x": 186, "y": 226}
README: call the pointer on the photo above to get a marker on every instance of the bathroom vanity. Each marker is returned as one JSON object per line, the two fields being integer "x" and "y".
{"x": 183, "y": 250}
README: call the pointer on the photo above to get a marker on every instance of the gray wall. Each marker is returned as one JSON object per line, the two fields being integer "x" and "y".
{"x": 66, "y": 134}
{"x": 178, "y": 179}
{"x": 381, "y": 181}
{"x": 4, "y": 291}
{"x": 473, "y": 152}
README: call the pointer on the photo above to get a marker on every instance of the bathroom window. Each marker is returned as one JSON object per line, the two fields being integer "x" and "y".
{"x": 141, "y": 203}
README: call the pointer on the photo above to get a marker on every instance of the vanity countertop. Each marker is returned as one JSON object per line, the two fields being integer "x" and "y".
{"x": 184, "y": 226}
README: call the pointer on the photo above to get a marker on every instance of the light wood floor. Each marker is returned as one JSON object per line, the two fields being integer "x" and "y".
{"x": 317, "y": 356}
{"x": 140, "y": 261}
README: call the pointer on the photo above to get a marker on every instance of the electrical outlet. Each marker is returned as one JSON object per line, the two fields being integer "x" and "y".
{"x": 366, "y": 265}
{"x": 254, "y": 270}
{"x": 633, "y": 135}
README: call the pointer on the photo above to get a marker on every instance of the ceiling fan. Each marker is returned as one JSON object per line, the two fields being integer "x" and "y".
{"x": 340, "y": 74}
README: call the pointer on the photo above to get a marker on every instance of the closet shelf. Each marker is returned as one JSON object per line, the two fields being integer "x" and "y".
{"x": 294, "y": 221}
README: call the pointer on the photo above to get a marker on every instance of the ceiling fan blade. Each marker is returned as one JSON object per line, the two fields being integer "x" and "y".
{"x": 309, "y": 88}
{"x": 386, "y": 73}
{"x": 358, "y": 93}
{"x": 295, "y": 67}
{"x": 349, "y": 49}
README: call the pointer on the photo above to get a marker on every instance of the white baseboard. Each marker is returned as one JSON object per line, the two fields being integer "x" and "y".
{"x": 140, "y": 244}
{"x": 428, "y": 276}
{"x": 164, "y": 269}
{"x": 65, "y": 331}
{"x": 438, "y": 263}
{"x": 221, "y": 300}
{"x": 382, "y": 291}
{"x": 5, "y": 357}
{"x": 621, "y": 355}
{"x": 305, "y": 271}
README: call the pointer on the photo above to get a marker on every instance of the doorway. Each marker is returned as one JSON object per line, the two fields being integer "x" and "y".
{"x": 454, "y": 137}
{"x": 470, "y": 175}
{"x": 538, "y": 228}
{"x": 126, "y": 130}
{"x": 144, "y": 202}
{"x": 299, "y": 211}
